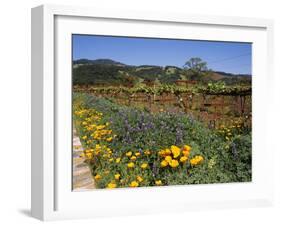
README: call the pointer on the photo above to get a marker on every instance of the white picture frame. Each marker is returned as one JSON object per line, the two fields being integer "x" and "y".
{"x": 52, "y": 197}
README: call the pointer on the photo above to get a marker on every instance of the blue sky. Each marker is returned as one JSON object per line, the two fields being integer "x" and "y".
{"x": 230, "y": 57}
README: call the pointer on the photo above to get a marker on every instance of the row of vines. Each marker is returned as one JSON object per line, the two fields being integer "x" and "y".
{"x": 213, "y": 104}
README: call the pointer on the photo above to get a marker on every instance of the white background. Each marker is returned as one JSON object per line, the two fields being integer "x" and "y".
{"x": 147, "y": 200}
{"x": 15, "y": 112}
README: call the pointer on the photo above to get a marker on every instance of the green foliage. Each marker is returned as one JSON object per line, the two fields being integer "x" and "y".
{"x": 100, "y": 74}
{"x": 139, "y": 131}
{"x": 196, "y": 68}
{"x": 109, "y": 72}
{"x": 218, "y": 88}
{"x": 196, "y": 65}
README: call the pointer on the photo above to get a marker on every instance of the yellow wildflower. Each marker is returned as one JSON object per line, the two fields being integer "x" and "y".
{"x": 167, "y": 151}
{"x": 77, "y": 146}
{"x": 144, "y": 165}
{"x": 196, "y": 160}
{"x": 175, "y": 150}
{"x": 185, "y": 153}
{"x": 89, "y": 150}
{"x": 161, "y": 153}
{"x": 168, "y": 159}
{"x": 139, "y": 179}
{"x": 100, "y": 127}
{"x": 164, "y": 163}
{"x": 128, "y": 154}
{"x": 186, "y": 148}
{"x": 174, "y": 163}
{"x": 109, "y": 139}
{"x": 137, "y": 154}
{"x": 158, "y": 182}
{"x": 164, "y": 153}
{"x": 118, "y": 160}
{"x": 134, "y": 184}
{"x": 117, "y": 176}
{"x": 133, "y": 158}
{"x": 84, "y": 137}
{"x": 183, "y": 159}
{"x": 97, "y": 177}
{"x": 147, "y": 152}
{"x": 130, "y": 165}
{"x": 89, "y": 155}
{"x": 111, "y": 185}
{"x": 106, "y": 155}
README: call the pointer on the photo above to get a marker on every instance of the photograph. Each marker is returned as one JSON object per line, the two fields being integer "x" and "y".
{"x": 158, "y": 112}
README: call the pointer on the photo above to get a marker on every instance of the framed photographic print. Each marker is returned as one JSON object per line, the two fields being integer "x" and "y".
{"x": 137, "y": 112}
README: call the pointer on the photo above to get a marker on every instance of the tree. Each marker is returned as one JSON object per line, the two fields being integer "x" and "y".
{"x": 195, "y": 67}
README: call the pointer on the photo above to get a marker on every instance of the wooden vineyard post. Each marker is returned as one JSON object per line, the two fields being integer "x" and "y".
{"x": 242, "y": 104}
{"x": 190, "y": 100}
{"x": 149, "y": 99}
{"x": 181, "y": 103}
{"x": 129, "y": 99}
{"x": 222, "y": 105}
{"x": 222, "y": 108}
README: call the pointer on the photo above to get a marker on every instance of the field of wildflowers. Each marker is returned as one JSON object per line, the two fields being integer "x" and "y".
{"x": 131, "y": 147}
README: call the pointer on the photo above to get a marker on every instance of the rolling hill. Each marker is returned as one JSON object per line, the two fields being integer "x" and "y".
{"x": 110, "y": 72}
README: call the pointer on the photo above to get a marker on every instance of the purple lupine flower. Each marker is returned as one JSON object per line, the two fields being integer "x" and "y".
{"x": 234, "y": 150}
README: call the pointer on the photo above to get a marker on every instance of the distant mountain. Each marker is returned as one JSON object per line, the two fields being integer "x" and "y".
{"x": 230, "y": 74}
{"x": 98, "y": 61}
{"x": 110, "y": 72}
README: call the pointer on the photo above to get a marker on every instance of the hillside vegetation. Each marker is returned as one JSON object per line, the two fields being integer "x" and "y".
{"x": 110, "y": 72}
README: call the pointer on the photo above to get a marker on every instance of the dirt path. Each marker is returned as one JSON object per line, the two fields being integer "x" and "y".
{"x": 82, "y": 177}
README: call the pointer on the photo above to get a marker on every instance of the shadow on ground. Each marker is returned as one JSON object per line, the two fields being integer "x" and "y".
{"x": 25, "y": 212}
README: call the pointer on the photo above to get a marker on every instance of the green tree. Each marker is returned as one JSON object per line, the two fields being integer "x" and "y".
{"x": 195, "y": 67}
